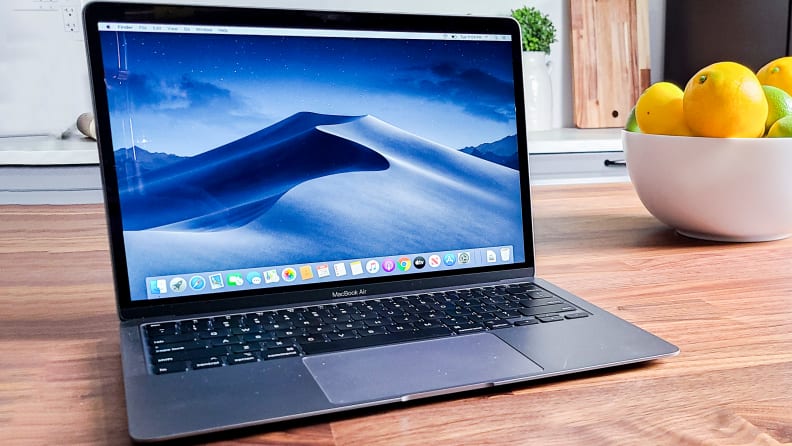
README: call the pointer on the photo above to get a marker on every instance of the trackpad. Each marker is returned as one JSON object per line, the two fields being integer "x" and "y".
{"x": 404, "y": 370}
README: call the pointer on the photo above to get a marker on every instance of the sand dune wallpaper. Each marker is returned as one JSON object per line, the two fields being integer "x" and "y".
{"x": 254, "y": 151}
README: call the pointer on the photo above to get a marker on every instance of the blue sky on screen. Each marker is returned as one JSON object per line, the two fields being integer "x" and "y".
{"x": 186, "y": 94}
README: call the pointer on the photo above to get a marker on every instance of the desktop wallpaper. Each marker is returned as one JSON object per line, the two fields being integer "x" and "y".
{"x": 254, "y": 151}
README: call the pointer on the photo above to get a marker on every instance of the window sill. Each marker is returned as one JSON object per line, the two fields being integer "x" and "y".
{"x": 51, "y": 151}
{"x": 47, "y": 151}
{"x": 573, "y": 140}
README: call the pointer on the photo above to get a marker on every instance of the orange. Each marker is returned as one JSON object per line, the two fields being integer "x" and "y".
{"x": 725, "y": 100}
{"x": 777, "y": 73}
{"x": 659, "y": 110}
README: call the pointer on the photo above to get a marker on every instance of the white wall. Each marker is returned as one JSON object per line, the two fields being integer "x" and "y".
{"x": 44, "y": 80}
{"x": 43, "y": 74}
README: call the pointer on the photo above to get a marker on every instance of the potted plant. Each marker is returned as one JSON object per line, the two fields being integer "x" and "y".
{"x": 538, "y": 33}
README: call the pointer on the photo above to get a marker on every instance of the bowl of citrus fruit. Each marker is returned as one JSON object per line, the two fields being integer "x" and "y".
{"x": 714, "y": 160}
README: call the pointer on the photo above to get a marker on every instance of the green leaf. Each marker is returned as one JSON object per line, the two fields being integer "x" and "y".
{"x": 538, "y": 32}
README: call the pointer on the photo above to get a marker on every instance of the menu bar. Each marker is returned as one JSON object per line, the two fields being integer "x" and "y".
{"x": 260, "y": 31}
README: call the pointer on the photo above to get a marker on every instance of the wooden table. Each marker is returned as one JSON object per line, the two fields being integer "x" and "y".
{"x": 727, "y": 306}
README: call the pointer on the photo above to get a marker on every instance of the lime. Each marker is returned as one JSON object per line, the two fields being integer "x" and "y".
{"x": 781, "y": 128}
{"x": 632, "y": 123}
{"x": 779, "y": 104}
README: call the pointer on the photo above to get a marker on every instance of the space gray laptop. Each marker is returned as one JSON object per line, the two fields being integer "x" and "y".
{"x": 311, "y": 212}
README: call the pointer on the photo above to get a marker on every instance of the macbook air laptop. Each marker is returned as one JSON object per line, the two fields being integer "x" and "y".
{"x": 311, "y": 212}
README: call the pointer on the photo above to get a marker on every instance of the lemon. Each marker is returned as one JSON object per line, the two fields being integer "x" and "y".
{"x": 632, "y": 123}
{"x": 659, "y": 110}
{"x": 777, "y": 73}
{"x": 779, "y": 104}
{"x": 725, "y": 100}
{"x": 781, "y": 128}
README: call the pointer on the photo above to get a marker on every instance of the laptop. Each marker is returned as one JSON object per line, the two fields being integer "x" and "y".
{"x": 312, "y": 212}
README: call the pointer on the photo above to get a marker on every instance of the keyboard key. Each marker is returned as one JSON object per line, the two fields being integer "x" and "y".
{"x": 233, "y": 320}
{"x": 181, "y": 346}
{"x": 282, "y": 352}
{"x": 187, "y": 355}
{"x": 576, "y": 315}
{"x": 496, "y": 324}
{"x": 470, "y": 327}
{"x": 455, "y": 320}
{"x": 245, "y": 330}
{"x": 510, "y": 314}
{"x": 428, "y": 324}
{"x": 171, "y": 339}
{"x": 350, "y": 326}
{"x": 482, "y": 317}
{"x": 207, "y": 363}
{"x": 321, "y": 329}
{"x": 259, "y": 319}
{"x": 242, "y": 348}
{"x": 230, "y": 340}
{"x": 242, "y": 358}
{"x": 550, "y": 318}
{"x": 516, "y": 296}
{"x": 398, "y": 328}
{"x": 195, "y": 325}
{"x": 373, "y": 331}
{"x": 287, "y": 342}
{"x": 305, "y": 323}
{"x": 310, "y": 339}
{"x": 381, "y": 322}
{"x": 341, "y": 335}
{"x": 171, "y": 367}
{"x": 540, "y": 302}
{"x": 544, "y": 309}
{"x": 162, "y": 329}
{"x": 406, "y": 319}
{"x": 366, "y": 316}
{"x": 421, "y": 308}
{"x": 523, "y": 322}
{"x": 335, "y": 319}
{"x": 539, "y": 294}
{"x": 214, "y": 333}
{"x": 287, "y": 325}
{"x": 294, "y": 332}
{"x": 283, "y": 318}
{"x": 259, "y": 337}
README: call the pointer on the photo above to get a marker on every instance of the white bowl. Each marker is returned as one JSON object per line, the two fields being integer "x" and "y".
{"x": 723, "y": 189}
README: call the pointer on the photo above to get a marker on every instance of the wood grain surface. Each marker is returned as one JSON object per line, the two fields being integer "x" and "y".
{"x": 727, "y": 306}
{"x": 609, "y": 45}
{"x": 643, "y": 50}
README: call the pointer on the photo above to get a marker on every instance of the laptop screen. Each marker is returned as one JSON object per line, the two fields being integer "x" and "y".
{"x": 258, "y": 158}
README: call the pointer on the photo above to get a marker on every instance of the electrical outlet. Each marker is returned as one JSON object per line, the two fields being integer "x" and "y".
{"x": 71, "y": 18}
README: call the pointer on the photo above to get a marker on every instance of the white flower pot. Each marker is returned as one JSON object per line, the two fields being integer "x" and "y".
{"x": 538, "y": 91}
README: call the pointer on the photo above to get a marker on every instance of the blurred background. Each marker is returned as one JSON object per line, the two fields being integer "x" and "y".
{"x": 44, "y": 81}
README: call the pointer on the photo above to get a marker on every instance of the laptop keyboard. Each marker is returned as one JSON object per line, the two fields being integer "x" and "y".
{"x": 195, "y": 344}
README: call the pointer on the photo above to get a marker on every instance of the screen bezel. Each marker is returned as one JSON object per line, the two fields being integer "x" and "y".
{"x": 94, "y": 13}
